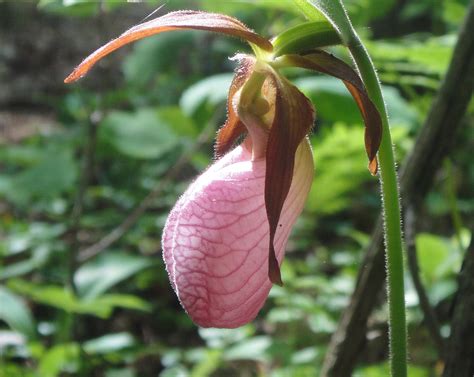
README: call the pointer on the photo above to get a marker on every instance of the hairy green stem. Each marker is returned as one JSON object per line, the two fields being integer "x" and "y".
{"x": 334, "y": 12}
{"x": 391, "y": 209}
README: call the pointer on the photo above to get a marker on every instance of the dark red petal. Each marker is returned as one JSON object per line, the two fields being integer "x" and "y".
{"x": 294, "y": 117}
{"x": 324, "y": 62}
{"x": 173, "y": 21}
{"x": 233, "y": 128}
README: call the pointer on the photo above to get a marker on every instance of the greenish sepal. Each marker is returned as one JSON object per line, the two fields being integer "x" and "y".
{"x": 305, "y": 37}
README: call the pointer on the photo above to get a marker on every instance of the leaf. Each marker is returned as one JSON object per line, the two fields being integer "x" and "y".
{"x": 109, "y": 343}
{"x": 172, "y": 21}
{"x": 238, "y": 6}
{"x": 330, "y": 10}
{"x": 331, "y": 95}
{"x": 305, "y": 37}
{"x": 40, "y": 256}
{"x": 54, "y": 173}
{"x": 153, "y": 55}
{"x": 254, "y": 348}
{"x": 59, "y": 358}
{"x": 212, "y": 90}
{"x": 16, "y": 314}
{"x": 438, "y": 257}
{"x": 62, "y": 298}
{"x": 145, "y": 134}
{"x": 431, "y": 55}
{"x": 96, "y": 277}
{"x": 119, "y": 300}
{"x": 326, "y": 63}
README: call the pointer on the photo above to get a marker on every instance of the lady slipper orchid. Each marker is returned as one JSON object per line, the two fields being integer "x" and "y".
{"x": 225, "y": 239}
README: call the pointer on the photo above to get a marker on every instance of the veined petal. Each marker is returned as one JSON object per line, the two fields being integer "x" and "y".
{"x": 173, "y": 21}
{"x": 293, "y": 119}
{"x": 324, "y": 62}
{"x": 215, "y": 242}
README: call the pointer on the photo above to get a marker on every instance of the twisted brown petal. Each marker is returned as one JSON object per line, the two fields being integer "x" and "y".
{"x": 233, "y": 127}
{"x": 173, "y": 21}
{"x": 294, "y": 117}
{"x": 324, "y": 62}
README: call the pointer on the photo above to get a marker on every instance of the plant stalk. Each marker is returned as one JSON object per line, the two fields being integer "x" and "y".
{"x": 391, "y": 210}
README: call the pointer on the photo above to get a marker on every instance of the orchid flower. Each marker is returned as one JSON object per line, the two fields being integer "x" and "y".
{"x": 224, "y": 241}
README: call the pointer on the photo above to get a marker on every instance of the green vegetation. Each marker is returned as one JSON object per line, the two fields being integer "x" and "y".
{"x": 67, "y": 309}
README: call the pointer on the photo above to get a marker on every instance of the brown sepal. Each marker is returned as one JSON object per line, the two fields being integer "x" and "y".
{"x": 293, "y": 120}
{"x": 324, "y": 62}
{"x": 173, "y": 21}
{"x": 233, "y": 128}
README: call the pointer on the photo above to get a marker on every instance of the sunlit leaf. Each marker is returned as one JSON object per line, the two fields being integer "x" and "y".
{"x": 211, "y": 90}
{"x": 97, "y": 276}
{"x": 59, "y": 358}
{"x": 16, "y": 314}
{"x": 252, "y": 349}
{"x": 146, "y": 134}
{"x": 109, "y": 343}
{"x": 52, "y": 174}
{"x": 62, "y": 298}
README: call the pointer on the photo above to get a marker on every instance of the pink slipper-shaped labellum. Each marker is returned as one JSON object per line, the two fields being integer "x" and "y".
{"x": 215, "y": 242}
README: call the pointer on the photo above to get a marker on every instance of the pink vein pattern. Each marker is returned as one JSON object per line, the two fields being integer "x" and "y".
{"x": 215, "y": 241}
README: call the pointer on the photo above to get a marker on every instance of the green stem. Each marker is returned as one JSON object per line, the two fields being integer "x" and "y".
{"x": 391, "y": 210}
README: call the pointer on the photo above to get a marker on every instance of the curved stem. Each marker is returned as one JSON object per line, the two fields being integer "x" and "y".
{"x": 391, "y": 210}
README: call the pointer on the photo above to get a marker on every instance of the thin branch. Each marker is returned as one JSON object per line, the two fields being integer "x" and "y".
{"x": 460, "y": 350}
{"x": 134, "y": 216}
{"x": 431, "y": 320}
{"x": 78, "y": 208}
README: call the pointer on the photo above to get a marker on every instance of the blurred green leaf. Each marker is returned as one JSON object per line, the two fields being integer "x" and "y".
{"x": 62, "y": 298}
{"x": 152, "y": 56}
{"x": 250, "y": 349}
{"x": 38, "y": 259}
{"x": 53, "y": 174}
{"x": 14, "y": 370}
{"x": 210, "y": 91}
{"x": 145, "y": 134}
{"x": 16, "y": 314}
{"x": 329, "y": 95}
{"x": 243, "y": 5}
{"x": 340, "y": 163}
{"x": 102, "y": 273}
{"x": 80, "y": 8}
{"x": 109, "y": 343}
{"x": 438, "y": 257}
{"x": 428, "y": 56}
{"x": 59, "y": 358}
{"x": 208, "y": 363}
{"x": 122, "y": 372}
{"x": 384, "y": 370}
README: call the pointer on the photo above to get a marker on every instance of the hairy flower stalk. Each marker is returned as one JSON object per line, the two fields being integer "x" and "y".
{"x": 225, "y": 239}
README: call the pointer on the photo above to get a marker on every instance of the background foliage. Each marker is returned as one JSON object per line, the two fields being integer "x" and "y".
{"x": 75, "y": 161}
